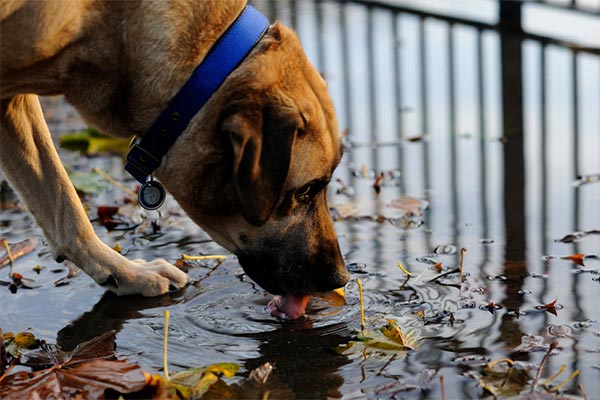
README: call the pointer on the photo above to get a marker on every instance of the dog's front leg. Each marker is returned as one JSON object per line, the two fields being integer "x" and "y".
{"x": 31, "y": 164}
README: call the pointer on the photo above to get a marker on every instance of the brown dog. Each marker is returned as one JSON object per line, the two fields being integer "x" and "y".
{"x": 251, "y": 168}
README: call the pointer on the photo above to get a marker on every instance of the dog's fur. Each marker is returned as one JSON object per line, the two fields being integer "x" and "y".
{"x": 251, "y": 168}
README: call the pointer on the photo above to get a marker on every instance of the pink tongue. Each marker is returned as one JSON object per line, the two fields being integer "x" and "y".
{"x": 288, "y": 306}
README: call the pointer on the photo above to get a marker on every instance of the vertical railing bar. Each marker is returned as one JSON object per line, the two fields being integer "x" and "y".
{"x": 425, "y": 122}
{"x": 346, "y": 72}
{"x": 272, "y": 10}
{"x": 481, "y": 126}
{"x": 575, "y": 127}
{"x": 453, "y": 129}
{"x": 544, "y": 166}
{"x": 372, "y": 87}
{"x": 396, "y": 48}
{"x": 294, "y": 14}
{"x": 397, "y": 60}
{"x": 320, "y": 36}
{"x": 578, "y": 313}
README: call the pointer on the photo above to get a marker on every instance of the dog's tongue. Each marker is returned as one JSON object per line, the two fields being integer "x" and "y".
{"x": 288, "y": 306}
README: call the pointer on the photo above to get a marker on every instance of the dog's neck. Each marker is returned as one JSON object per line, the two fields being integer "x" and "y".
{"x": 146, "y": 154}
{"x": 154, "y": 48}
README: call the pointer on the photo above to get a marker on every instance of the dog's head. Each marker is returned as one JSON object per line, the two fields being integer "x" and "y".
{"x": 253, "y": 167}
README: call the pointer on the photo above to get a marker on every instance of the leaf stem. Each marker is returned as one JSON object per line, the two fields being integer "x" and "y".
{"x": 362, "y": 305}
{"x": 165, "y": 362}
{"x": 463, "y": 251}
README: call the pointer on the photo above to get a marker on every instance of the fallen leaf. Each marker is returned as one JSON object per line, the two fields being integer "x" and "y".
{"x": 393, "y": 331}
{"x": 491, "y": 307}
{"x": 530, "y": 343}
{"x": 576, "y": 258}
{"x": 86, "y": 372}
{"x": 262, "y": 373}
{"x": 17, "y": 250}
{"x": 390, "y": 337}
{"x": 550, "y": 307}
{"x": 91, "y": 142}
{"x": 410, "y": 205}
{"x": 192, "y": 383}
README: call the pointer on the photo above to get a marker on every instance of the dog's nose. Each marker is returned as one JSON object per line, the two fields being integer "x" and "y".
{"x": 339, "y": 278}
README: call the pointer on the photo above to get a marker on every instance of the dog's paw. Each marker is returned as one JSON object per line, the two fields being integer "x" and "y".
{"x": 152, "y": 278}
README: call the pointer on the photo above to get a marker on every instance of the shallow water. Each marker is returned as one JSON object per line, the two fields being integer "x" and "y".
{"x": 439, "y": 195}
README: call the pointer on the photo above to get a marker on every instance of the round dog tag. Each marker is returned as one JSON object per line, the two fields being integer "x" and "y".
{"x": 151, "y": 195}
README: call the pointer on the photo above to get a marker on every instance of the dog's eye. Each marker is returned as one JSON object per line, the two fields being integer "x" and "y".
{"x": 305, "y": 193}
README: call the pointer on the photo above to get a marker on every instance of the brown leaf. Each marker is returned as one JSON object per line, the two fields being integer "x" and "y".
{"x": 576, "y": 258}
{"x": 410, "y": 205}
{"x": 550, "y": 307}
{"x": 86, "y": 372}
{"x": 17, "y": 250}
{"x": 378, "y": 182}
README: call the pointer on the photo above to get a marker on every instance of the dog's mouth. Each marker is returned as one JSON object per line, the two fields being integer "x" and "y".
{"x": 288, "y": 306}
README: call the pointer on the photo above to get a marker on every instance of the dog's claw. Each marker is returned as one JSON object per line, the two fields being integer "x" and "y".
{"x": 110, "y": 281}
{"x": 173, "y": 288}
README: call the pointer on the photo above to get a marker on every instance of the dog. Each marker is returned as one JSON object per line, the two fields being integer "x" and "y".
{"x": 251, "y": 167}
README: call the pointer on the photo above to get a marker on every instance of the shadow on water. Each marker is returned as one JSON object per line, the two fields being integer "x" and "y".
{"x": 459, "y": 134}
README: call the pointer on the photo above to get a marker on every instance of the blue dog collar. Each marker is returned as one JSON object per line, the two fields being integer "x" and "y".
{"x": 227, "y": 53}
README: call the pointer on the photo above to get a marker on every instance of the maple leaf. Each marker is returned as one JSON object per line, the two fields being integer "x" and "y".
{"x": 86, "y": 372}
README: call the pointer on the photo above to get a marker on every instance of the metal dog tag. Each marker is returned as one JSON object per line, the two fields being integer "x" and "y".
{"x": 151, "y": 195}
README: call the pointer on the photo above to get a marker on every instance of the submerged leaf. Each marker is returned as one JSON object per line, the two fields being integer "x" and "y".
{"x": 394, "y": 332}
{"x": 390, "y": 337}
{"x": 192, "y": 383}
{"x": 262, "y": 373}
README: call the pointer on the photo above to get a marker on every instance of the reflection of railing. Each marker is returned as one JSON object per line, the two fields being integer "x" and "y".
{"x": 510, "y": 111}
{"x": 573, "y": 5}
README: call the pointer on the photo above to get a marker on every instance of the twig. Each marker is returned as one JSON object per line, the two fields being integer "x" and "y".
{"x": 560, "y": 371}
{"x": 552, "y": 346}
{"x": 442, "y": 387}
{"x": 455, "y": 270}
{"x": 11, "y": 260}
{"x": 463, "y": 251}
{"x": 165, "y": 363}
{"x": 392, "y": 358}
{"x": 573, "y": 375}
{"x": 362, "y": 305}
{"x": 115, "y": 183}
{"x": 580, "y": 387}
{"x": 200, "y": 258}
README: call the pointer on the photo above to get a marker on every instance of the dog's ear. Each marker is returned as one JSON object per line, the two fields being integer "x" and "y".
{"x": 262, "y": 150}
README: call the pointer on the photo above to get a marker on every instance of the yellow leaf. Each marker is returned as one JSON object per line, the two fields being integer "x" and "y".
{"x": 25, "y": 340}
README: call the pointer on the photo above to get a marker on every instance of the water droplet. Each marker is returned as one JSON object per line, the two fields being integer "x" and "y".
{"x": 496, "y": 278}
{"x": 357, "y": 268}
{"x": 523, "y": 292}
{"x": 582, "y": 325}
{"x": 445, "y": 249}
{"x": 559, "y": 330}
{"x": 426, "y": 260}
{"x": 486, "y": 241}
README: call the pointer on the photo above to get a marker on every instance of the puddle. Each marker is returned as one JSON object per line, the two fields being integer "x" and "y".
{"x": 417, "y": 201}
